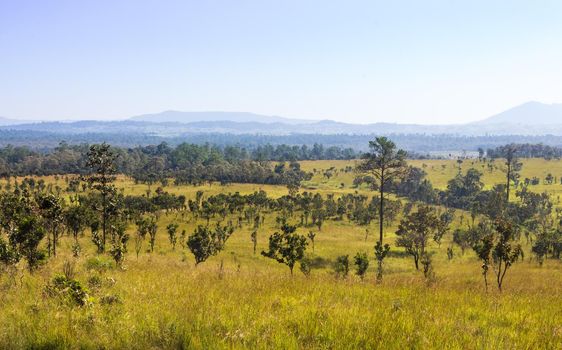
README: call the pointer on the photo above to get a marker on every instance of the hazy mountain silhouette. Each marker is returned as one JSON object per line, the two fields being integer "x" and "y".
{"x": 531, "y": 118}
{"x": 530, "y": 113}
{"x": 213, "y": 116}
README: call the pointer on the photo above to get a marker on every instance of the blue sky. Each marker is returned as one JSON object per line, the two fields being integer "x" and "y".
{"x": 356, "y": 61}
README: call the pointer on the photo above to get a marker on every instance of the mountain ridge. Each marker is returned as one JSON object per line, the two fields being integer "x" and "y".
{"x": 528, "y": 113}
{"x": 211, "y": 116}
{"x": 530, "y": 118}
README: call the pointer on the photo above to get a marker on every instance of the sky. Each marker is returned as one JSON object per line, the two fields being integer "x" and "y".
{"x": 425, "y": 62}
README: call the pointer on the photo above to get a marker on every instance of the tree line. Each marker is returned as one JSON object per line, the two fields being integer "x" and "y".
{"x": 525, "y": 150}
{"x": 72, "y": 159}
{"x": 33, "y": 213}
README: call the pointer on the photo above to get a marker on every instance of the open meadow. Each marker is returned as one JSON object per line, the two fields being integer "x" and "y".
{"x": 241, "y": 299}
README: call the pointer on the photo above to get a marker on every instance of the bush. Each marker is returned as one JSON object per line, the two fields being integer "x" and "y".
{"x": 69, "y": 291}
{"x": 361, "y": 264}
{"x": 341, "y": 266}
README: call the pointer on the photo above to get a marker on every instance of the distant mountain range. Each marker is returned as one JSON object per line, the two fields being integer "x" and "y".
{"x": 530, "y": 113}
{"x": 238, "y": 117}
{"x": 532, "y": 118}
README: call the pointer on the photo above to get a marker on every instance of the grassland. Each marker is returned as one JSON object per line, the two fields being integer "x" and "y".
{"x": 241, "y": 300}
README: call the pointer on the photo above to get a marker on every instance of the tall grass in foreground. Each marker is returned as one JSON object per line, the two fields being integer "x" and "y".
{"x": 161, "y": 302}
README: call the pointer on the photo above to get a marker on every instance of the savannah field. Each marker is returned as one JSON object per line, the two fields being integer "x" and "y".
{"x": 240, "y": 300}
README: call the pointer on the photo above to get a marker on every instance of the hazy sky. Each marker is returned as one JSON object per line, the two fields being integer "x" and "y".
{"x": 358, "y": 61}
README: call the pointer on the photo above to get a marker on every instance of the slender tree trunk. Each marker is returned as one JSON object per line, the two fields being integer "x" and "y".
{"x": 104, "y": 219}
{"x": 381, "y": 212}
{"x": 499, "y": 272}
{"x": 508, "y": 182}
{"x": 54, "y": 242}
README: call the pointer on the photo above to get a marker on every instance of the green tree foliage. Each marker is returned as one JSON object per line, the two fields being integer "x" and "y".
{"x": 26, "y": 239}
{"x": 341, "y": 266}
{"x": 361, "y": 262}
{"x": 101, "y": 161}
{"x": 119, "y": 241}
{"x": 152, "y": 230}
{"x": 76, "y": 220}
{"x": 206, "y": 241}
{"x": 172, "y": 229}
{"x": 380, "y": 254}
{"x": 462, "y": 190}
{"x": 286, "y": 247}
{"x": 415, "y": 231}
{"x": 68, "y": 291}
{"x": 498, "y": 250}
{"x": 51, "y": 209}
{"x": 443, "y": 225}
{"x": 512, "y": 166}
{"x": 143, "y": 227}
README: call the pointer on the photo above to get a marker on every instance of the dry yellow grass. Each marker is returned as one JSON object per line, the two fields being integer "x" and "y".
{"x": 253, "y": 302}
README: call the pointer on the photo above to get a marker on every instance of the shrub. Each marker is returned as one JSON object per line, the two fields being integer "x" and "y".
{"x": 361, "y": 264}
{"x": 341, "y": 266}
{"x": 68, "y": 290}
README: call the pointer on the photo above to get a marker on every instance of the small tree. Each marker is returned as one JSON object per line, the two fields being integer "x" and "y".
{"x": 142, "y": 231}
{"x": 415, "y": 231}
{"x": 541, "y": 246}
{"x": 152, "y": 230}
{"x": 380, "y": 253}
{"x": 361, "y": 264}
{"x": 26, "y": 239}
{"x": 483, "y": 248}
{"x": 311, "y": 236}
{"x": 51, "y": 209}
{"x": 119, "y": 242}
{"x": 341, "y": 266}
{"x": 427, "y": 264}
{"x": 497, "y": 249}
{"x": 76, "y": 221}
{"x": 206, "y": 242}
{"x": 318, "y": 218}
{"x": 286, "y": 247}
{"x": 254, "y": 238}
{"x": 172, "y": 229}
{"x": 463, "y": 238}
